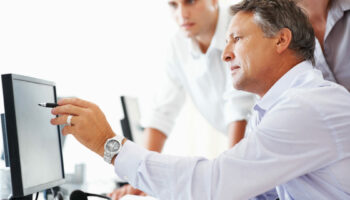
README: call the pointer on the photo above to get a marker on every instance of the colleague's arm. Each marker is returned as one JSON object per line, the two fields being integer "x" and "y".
{"x": 167, "y": 104}
{"x": 154, "y": 139}
{"x": 236, "y": 132}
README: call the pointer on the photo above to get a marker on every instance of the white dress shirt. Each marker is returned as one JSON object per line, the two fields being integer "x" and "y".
{"x": 299, "y": 142}
{"x": 205, "y": 78}
{"x": 334, "y": 62}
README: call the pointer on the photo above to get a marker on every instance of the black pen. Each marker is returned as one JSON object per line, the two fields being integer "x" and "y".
{"x": 48, "y": 105}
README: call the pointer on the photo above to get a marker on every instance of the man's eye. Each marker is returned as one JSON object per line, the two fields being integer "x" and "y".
{"x": 190, "y": 1}
{"x": 236, "y": 39}
{"x": 172, "y": 5}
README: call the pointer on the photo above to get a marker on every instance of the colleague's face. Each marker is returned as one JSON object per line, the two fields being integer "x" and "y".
{"x": 193, "y": 16}
{"x": 248, "y": 53}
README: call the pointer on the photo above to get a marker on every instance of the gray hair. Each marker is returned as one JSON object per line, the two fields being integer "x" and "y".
{"x": 273, "y": 15}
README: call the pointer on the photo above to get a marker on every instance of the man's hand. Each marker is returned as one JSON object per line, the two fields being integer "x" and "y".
{"x": 126, "y": 189}
{"x": 88, "y": 124}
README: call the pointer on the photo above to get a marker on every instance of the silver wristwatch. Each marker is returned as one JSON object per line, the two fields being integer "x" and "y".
{"x": 112, "y": 148}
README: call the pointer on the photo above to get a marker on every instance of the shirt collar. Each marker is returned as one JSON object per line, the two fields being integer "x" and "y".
{"x": 218, "y": 40}
{"x": 284, "y": 83}
{"x": 336, "y": 11}
{"x": 344, "y": 4}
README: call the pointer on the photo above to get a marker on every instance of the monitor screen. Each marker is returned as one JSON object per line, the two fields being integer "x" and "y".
{"x": 34, "y": 144}
{"x": 131, "y": 124}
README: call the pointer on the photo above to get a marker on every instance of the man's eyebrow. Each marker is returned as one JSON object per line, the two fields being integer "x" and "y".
{"x": 231, "y": 35}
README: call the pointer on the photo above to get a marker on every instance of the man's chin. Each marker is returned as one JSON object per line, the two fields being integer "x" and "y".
{"x": 237, "y": 85}
{"x": 189, "y": 34}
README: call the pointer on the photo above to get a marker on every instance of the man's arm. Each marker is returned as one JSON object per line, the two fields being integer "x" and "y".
{"x": 272, "y": 154}
{"x": 155, "y": 140}
{"x": 236, "y": 132}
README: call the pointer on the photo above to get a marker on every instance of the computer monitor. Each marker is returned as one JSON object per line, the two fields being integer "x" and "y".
{"x": 34, "y": 144}
{"x": 131, "y": 125}
{"x": 4, "y": 154}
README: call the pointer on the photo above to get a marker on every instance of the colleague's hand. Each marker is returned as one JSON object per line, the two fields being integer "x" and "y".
{"x": 126, "y": 189}
{"x": 88, "y": 124}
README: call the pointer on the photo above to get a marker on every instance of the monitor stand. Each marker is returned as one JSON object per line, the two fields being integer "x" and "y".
{"x": 28, "y": 197}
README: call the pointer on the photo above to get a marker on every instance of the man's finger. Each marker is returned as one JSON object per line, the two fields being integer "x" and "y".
{"x": 67, "y": 130}
{"x": 62, "y": 119}
{"x": 75, "y": 101}
{"x": 67, "y": 109}
{"x": 119, "y": 193}
{"x": 114, "y": 195}
{"x": 143, "y": 194}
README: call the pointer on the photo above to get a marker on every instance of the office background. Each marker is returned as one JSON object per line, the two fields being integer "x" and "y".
{"x": 99, "y": 50}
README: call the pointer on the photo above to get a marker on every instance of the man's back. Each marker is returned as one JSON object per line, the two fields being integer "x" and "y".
{"x": 307, "y": 119}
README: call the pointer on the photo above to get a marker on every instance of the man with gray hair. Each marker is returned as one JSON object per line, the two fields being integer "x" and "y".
{"x": 299, "y": 140}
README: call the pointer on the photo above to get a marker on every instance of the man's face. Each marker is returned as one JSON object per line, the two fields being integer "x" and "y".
{"x": 248, "y": 53}
{"x": 193, "y": 16}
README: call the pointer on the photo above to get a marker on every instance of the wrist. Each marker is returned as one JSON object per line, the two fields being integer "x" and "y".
{"x": 114, "y": 157}
{"x": 101, "y": 148}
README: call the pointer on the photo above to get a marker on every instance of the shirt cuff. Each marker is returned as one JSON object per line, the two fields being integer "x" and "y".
{"x": 128, "y": 161}
{"x": 241, "y": 108}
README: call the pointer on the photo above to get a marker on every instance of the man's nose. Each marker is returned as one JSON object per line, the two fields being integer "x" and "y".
{"x": 227, "y": 54}
{"x": 183, "y": 12}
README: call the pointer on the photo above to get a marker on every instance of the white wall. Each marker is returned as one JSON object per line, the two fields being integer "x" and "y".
{"x": 96, "y": 50}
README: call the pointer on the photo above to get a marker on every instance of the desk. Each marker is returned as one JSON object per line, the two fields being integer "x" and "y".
{"x": 127, "y": 197}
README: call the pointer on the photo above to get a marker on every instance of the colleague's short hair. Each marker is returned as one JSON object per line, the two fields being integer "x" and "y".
{"x": 273, "y": 15}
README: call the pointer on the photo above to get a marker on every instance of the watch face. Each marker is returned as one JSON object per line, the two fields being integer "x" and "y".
{"x": 113, "y": 145}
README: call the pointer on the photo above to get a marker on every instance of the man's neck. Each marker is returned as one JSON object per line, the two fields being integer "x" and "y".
{"x": 206, "y": 37}
{"x": 282, "y": 67}
{"x": 317, "y": 11}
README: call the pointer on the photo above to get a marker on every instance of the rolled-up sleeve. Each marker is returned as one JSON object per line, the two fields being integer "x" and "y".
{"x": 169, "y": 98}
{"x": 238, "y": 105}
{"x": 167, "y": 104}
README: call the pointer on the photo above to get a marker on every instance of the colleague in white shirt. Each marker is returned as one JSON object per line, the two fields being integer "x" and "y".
{"x": 194, "y": 68}
{"x": 299, "y": 141}
{"x": 199, "y": 72}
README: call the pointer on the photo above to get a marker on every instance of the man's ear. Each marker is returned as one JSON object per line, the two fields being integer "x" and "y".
{"x": 283, "y": 39}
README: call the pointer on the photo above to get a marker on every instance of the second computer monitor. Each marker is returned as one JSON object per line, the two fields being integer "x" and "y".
{"x": 131, "y": 125}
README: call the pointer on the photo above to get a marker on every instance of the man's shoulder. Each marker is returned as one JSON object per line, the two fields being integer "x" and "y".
{"x": 179, "y": 40}
{"x": 323, "y": 98}
{"x": 178, "y": 48}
